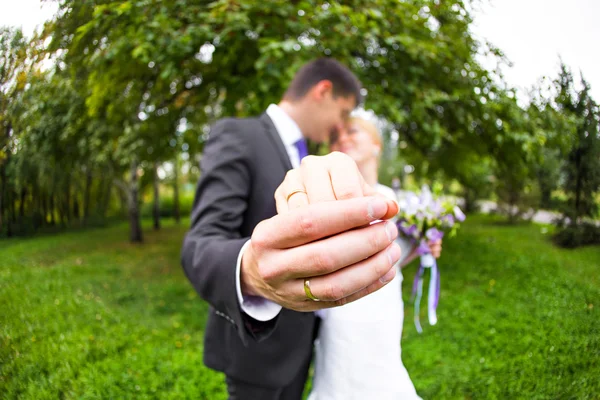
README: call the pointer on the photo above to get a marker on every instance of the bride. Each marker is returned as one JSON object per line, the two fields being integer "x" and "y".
{"x": 358, "y": 354}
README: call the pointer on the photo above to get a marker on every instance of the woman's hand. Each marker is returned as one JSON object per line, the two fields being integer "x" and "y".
{"x": 435, "y": 247}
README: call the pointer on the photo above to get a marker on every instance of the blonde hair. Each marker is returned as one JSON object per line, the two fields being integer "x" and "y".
{"x": 370, "y": 128}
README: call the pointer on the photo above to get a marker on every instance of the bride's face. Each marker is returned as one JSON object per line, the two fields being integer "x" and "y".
{"x": 356, "y": 142}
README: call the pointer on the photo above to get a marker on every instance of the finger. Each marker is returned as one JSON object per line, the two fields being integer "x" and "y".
{"x": 378, "y": 284}
{"x": 294, "y": 190}
{"x": 393, "y": 209}
{"x": 281, "y": 203}
{"x": 333, "y": 253}
{"x": 369, "y": 190}
{"x": 317, "y": 180}
{"x": 316, "y": 221}
{"x": 350, "y": 280}
{"x": 309, "y": 306}
{"x": 346, "y": 179}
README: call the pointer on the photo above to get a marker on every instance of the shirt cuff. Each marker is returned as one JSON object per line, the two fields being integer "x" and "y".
{"x": 256, "y": 307}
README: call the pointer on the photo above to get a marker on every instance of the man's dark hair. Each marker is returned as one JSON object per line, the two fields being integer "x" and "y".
{"x": 344, "y": 82}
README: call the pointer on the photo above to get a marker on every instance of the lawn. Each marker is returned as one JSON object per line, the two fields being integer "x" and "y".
{"x": 87, "y": 315}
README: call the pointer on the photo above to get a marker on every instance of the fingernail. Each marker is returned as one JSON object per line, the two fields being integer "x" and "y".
{"x": 393, "y": 253}
{"x": 376, "y": 208}
{"x": 391, "y": 231}
{"x": 388, "y": 276}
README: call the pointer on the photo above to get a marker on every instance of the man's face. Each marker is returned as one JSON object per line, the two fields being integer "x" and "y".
{"x": 329, "y": 115}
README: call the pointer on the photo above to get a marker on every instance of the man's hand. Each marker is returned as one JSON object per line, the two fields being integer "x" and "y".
{"x": 325, "y": 234}
{"x": 329, "y": 243}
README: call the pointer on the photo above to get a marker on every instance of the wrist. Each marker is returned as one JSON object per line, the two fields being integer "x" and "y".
{"x": 245, "y": 275}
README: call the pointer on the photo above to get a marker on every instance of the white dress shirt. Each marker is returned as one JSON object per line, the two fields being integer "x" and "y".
{"x": 257, "y": 307}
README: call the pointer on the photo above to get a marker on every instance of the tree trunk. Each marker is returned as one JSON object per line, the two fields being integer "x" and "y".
{"x": 76, "y": 208}
{"x": 51, "y": 209}
{"x": 578, "y": 190}
{"x": 61, "y": 214}
{"x": 67, "y": 204}
{"x": 176, "y": 210}
{"x": 135, "y": 226}
{"x": 2, "y": 201}
{"x": 38, "y": 199}
{"x": 4, "y": 219}
{"x": 470, "y": 200}
{"x": 123, "y": 199}
{"x": 156, "y": 203}
{"x": 106, "y": 199}
{"x": 44, "y": 208}
{"x": 22, "y": 203}
{"x": 7, "y": 218}
{"x": 87, "y": 195}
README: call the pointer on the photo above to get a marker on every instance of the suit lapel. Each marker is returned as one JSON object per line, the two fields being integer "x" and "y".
{"x": 274, "y": 137}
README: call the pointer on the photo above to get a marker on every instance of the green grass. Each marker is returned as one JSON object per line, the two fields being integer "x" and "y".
{"x": 87, "y": 315}
{"x": 518, "y": 318}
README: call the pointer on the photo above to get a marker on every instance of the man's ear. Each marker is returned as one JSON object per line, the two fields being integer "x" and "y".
{"x": 321, "y": 90}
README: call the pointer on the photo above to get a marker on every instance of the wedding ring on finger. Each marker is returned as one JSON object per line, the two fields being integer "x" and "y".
{"x": 295, "y": 192}
{"x": 308, "y": 292}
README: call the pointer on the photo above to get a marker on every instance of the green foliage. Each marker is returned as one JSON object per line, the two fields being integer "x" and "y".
{"x": 167, "y": 205}
{"x": 87, "y": 315}
{"x": 583, "y": 161}
{"x": 136, "y": 83}
{"x": 583, "y": 234}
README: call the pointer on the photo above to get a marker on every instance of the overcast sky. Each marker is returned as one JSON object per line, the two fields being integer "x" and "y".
{"x": 532, "y": 33}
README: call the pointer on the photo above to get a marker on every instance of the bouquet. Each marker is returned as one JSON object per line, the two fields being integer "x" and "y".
{"x": 422, "y": 218}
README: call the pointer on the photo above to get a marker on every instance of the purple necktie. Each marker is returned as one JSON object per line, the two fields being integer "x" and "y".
{"x": 302, "y": 148}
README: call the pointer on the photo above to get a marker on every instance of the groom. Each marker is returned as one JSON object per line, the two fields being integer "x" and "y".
{"x": 254, "y": 268}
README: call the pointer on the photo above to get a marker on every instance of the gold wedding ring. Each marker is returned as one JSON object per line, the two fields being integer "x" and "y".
{"x": 293, "y": 193}
{"x": 308, "y": 292}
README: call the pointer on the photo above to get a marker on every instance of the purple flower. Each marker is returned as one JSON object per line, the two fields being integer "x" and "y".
{"x": 423, "y": 248}
{"x": 448, "y": 220}
{"x": 434, "y": 234}
{"x": 460, "y": 216}
{"x": 436, "y": 207}
{"x": 407, "y": 230}
{"x": 426, "y": 197}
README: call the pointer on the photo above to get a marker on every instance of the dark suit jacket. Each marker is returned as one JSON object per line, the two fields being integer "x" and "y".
{"x": 244, "y": 162}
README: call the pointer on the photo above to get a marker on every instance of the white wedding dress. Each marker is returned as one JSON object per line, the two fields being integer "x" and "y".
{"x": 358, "y": 352}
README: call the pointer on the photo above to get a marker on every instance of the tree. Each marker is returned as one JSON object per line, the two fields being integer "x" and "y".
{"x": 13, "y": 52}
{"x": 150, "y": 65}
{"x": 583, "y": 162}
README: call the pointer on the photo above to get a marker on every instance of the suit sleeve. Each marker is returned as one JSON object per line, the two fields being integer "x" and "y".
{"x": 212, "y": 245}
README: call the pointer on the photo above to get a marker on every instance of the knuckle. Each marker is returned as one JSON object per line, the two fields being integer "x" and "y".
{"x": 338, "y": 155}
{"x": 306, "y": 224}
{"x": 281, "y": 294}
{"x": 291, "y": 174}
{"x": 323, "y": 263}
{"x": 266, "y": 272}
{"x": 308, "y": 160}
{"x": 333, "y": 292}
{"x": 375, "y": 241}
{"x": 259, "y": 237}
{"x": 344, "y": 193}
{"x": 381, "y": 265}
{"x": 341, "y": 302}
